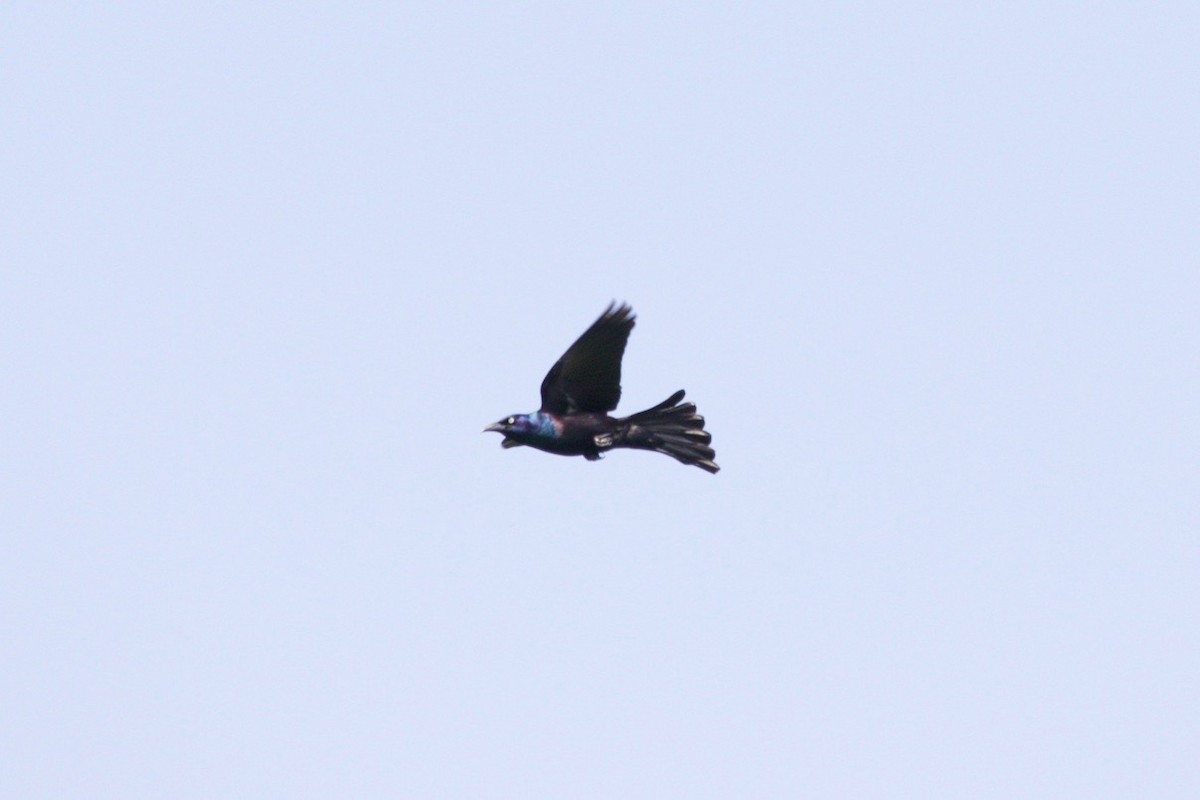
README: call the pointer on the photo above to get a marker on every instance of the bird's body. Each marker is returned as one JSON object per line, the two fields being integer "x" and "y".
{"x": 571, "y": 435}
{"x": 584, "y": 385}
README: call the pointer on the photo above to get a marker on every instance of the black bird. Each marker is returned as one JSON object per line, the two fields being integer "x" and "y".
{"x": 584, "y": 385}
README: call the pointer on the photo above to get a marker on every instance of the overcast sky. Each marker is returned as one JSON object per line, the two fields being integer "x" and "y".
{"x": 930, "y": 271}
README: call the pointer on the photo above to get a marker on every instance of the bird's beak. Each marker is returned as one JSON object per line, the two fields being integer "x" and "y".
{"x": 495, "y": 426}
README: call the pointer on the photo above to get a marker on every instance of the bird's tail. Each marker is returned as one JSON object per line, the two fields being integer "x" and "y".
{"x": 673, "y": 428}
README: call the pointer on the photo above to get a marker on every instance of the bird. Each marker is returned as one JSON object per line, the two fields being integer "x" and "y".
{"x": 584, "y": 385}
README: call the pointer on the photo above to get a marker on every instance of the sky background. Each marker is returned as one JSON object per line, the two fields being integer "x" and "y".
{"x": 930, "y": 272}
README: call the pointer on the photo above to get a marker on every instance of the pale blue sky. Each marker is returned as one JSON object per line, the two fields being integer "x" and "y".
{"x": 930, "y": 272}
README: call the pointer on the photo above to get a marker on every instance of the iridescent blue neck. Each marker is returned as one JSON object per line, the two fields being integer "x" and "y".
{"x": 542, "y": 426}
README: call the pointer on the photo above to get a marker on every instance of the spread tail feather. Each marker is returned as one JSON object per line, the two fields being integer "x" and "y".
{"x": 673, "y": 428}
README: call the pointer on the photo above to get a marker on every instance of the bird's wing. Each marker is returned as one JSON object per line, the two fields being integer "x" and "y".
{"x": 588, "y": 376}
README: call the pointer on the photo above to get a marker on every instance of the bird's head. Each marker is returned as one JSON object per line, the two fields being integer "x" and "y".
{"x": 514, "y": 428}
{"x": 520, "y": 429}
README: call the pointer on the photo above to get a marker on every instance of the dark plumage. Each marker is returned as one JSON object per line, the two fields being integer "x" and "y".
{"x": 584, "y": 385}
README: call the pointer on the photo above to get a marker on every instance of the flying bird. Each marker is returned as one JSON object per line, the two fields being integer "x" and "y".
{"x": 584, "y": 385}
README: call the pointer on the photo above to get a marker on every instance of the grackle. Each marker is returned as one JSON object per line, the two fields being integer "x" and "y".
{"x": 584, "y": 385}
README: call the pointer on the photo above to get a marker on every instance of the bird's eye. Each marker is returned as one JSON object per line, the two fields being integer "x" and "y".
{"x": 510, "y": 421}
